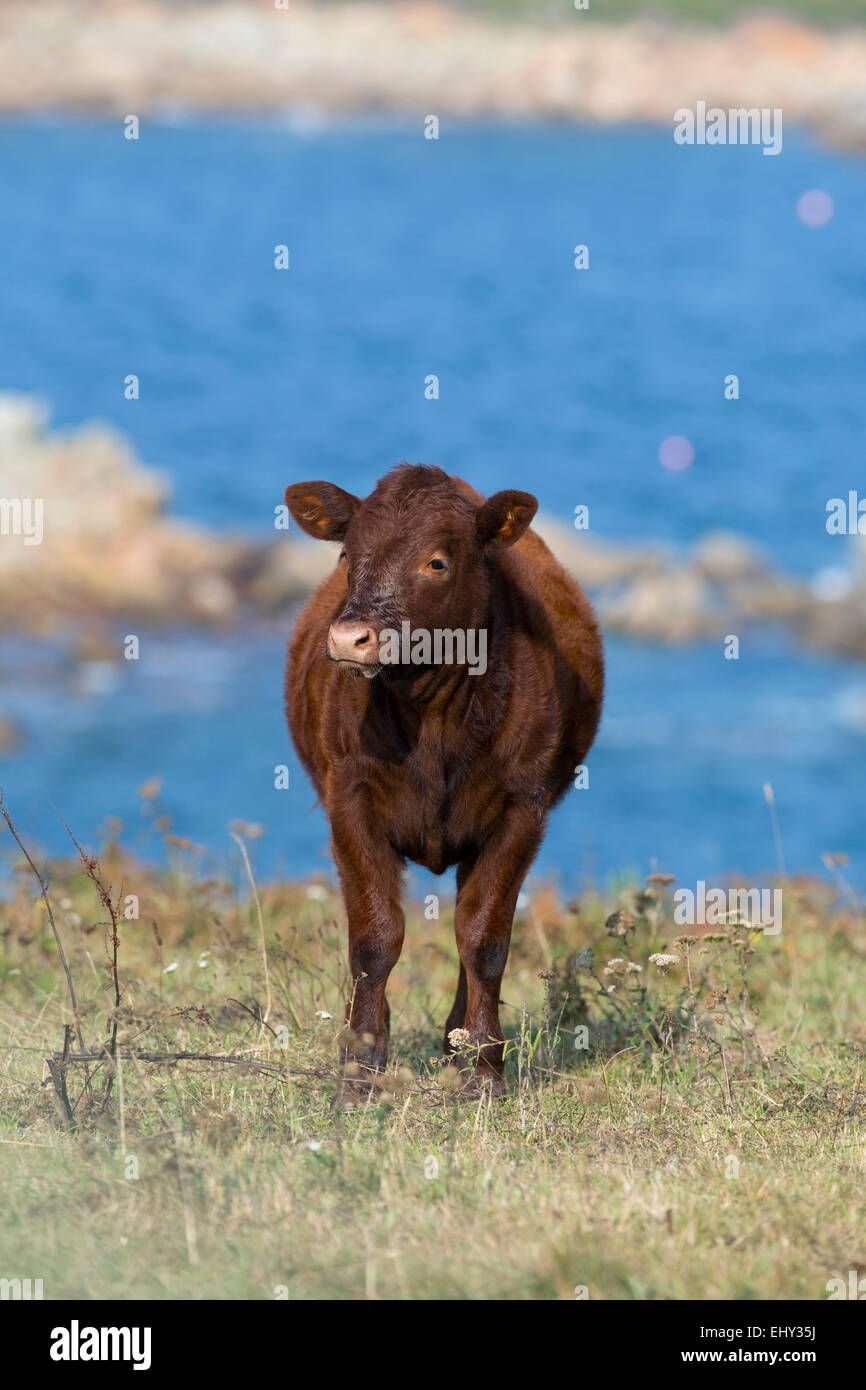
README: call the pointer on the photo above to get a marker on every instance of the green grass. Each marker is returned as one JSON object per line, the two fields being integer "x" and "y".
{"x": 708, "y": 1143}
{"x": 714, "y": 12}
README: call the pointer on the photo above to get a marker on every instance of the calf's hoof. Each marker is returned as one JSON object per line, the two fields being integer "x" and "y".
{"x": 467, "y": 1082}
{"x": 359, "y": 1084}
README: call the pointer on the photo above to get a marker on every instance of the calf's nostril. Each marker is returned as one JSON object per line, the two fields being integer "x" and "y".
{"x": 352, "y": 641}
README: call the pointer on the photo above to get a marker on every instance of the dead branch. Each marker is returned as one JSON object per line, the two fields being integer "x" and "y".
{"x": 57, "y": 1070}
{"x": 91, "y": 869}
{"x": 43, "y": 892}
{"x": 169, "y": 1057}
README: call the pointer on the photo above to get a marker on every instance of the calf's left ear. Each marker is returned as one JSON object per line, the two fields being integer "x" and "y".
{"x": 323, "y": 510}
{"x": 504, "y": 517}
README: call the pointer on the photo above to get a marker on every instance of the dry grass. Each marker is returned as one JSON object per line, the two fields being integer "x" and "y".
{"x": 708, "y": 1143}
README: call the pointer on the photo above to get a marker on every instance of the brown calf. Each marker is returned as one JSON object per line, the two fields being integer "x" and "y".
{"x": 439, "y": 762}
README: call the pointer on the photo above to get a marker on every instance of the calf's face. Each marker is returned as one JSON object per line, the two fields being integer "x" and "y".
{"x": 414, "y": 552}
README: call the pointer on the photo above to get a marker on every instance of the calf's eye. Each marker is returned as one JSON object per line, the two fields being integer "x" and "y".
{"x": 436, "y": 565}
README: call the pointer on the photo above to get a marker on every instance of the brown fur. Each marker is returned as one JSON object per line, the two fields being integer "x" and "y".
{"x": 433, "y": 764}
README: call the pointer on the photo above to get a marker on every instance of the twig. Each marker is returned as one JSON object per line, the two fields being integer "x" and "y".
{"x": 91, "y": 868}
{"x": 662, "y": 1078}
{"x": 188, "y": 1217}
{"x": 157, "y": 1057}
{"x": 117, "y": 1062}
{"x": 255, "y": 1013}
{"x": 58, "y": 1076}
{"x": 43, "y": 892}
{"x": 770, "y": 798}
{"x": 243, "y": 849}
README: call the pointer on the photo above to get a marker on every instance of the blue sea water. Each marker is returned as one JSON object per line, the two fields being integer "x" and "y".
{"x": 453, "y": 257}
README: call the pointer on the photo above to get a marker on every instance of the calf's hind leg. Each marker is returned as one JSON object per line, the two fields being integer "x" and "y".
{"x": 486, "y": 898}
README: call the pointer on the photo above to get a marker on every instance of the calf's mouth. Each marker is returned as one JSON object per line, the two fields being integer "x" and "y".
{"x": 369, "y": 669}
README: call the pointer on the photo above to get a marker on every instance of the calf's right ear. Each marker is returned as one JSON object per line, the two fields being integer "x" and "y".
{"x": 323, "y": 510}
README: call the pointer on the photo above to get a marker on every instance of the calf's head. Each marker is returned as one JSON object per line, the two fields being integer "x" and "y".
{"x": 417, "y": 551}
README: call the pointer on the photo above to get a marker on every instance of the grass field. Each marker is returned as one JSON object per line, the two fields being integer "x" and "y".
{"x": 707, "y": 1141}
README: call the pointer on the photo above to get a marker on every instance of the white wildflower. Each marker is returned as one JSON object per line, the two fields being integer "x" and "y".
{"x": 664, "y": 960}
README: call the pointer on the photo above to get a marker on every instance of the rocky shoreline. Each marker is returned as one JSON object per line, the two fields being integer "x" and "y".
{"x": 147, "y": 57}
{"x": 111, "y": 555}
{"x": 109, "y": 550}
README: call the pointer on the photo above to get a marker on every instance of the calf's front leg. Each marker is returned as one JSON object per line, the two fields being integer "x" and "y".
{"x": 370, "y": 878}
{"x": 487, "y": 889}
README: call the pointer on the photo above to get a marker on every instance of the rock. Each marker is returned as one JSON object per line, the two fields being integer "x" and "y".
{"x": 838, "y": 626}
{"x": 96, "y": 646}
{"x": 724, "y": 556}
{"x": 596, "y": 563}
{"x": 148, "y": 56}
{"x": 106, "y": 547}
{"x": 770, "y": 597}
{"x": 290, "y": 570}
{"x": 677, "y": 606}
{"x": 22, "y": 418}
{"x": 111, "y": 558}
{"x": 213, "y": 597}
{"x": 10, "y": 736}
